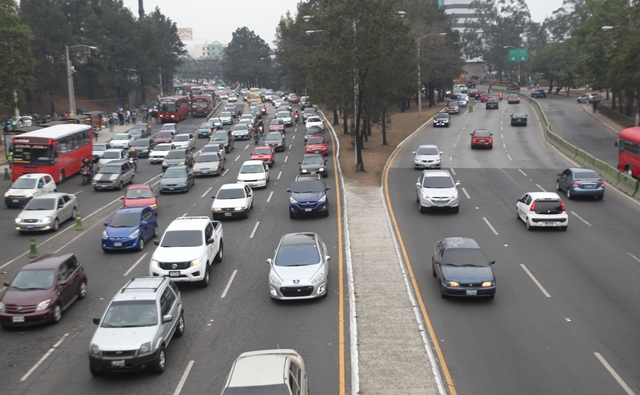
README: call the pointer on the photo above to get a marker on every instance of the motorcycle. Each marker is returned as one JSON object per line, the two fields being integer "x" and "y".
{"x": 296, "y": 117}
{"x": 261, "y": 129}
{"x": 86, "y": 176}
{"x": 256, "y": 138}
{"x": 134, "y": 162}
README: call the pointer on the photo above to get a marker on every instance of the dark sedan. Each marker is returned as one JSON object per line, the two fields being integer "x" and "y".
{"x": 513, "y": 99}
{"x": 313, "y": 164}
{"x": 492, "y": 104}
{"x": 177, "y": 179}
{"x": 580, "y": 182}
{"x": 144, "y": 146}
{"x": 442, "y": 119}
{"x": 276, "y": 141}
{"x": 537, "y": 93}
{"x": 519, "y": 118}
{"x": 313, "y": 131}
{"x": 140, "y": 131}
{"x": 462, "y": 268}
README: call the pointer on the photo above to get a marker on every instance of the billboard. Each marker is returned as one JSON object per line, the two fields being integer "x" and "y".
{"x": 185, "y": 33}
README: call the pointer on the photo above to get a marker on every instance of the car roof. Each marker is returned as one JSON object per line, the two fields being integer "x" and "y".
{"x": 133, "y": 209}
{"x": 460, "y": 242}
{"x": 252, "y": 369}
{"x": 436, "y": 173}
{"x": 253, "y": 162}
{"x": 33, "y": 175}
{"x": 145, "y": 288}
{"x": 427, "y": 146}
{"x": 299, "y": 238}
{"x": 232, "y": 186}
{"x": 188, "y": 223}
{"x": 47, "y": 261}
{"x": 544, "y": 196}
{"x": 312, "y": 155}
{"x": 52, "y": 195}
{"x": 139, "y": 186}
{"x": 115, "y": 149}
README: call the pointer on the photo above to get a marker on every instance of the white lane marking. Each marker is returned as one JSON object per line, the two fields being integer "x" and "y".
{"x": 501, "y": 136}
{"x": 504, "y": 146}
{"x": 450, "y": 158}
{"x": 454, "y": 145}
{"x": 580, "y": 218}
{"x": 509, "y": 156}
{"x": 630, "y": 254}
{"x": 453, "y": 171}
{"x": 285, "y": 158}
{"x": 204, "y": 194}
{"x": 184, "y": 378}
{"x": 44, "y": 357}
{"x": 225, "y": 172}
{"x": 541, "y": 188}
{"x": 184, "y": 215}
{"x": 495, "y": 232}
{"x": 237, "y": 158}
{"x": 269, "y": 198}
{"x": 523, "y": 173}
{"x": 245, "y": 147}
{"x": 294, "y": 136}
{"x": 134, "y": 265}
{"x": 254, "y": 230}
{"x": 614, "y": 374}
{"x": 279, "y": 174}
{"x": 75, "y": 193}
{"x": 535, "y": 280}
{"x": 224, "y": 293}
{"x": 465, "y": 193}
{"x": 290, "y": 145}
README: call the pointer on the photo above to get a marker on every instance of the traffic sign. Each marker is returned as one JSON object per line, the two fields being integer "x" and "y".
{"x": 518, "y": 55}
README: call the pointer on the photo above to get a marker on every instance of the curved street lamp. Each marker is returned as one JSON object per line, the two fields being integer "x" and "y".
{"x": 72, "y": 96}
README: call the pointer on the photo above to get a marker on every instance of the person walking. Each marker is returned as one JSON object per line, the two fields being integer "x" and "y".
{"x": 134, "y": 117}
{"x": 594, "y": 103}
{"x": 112, "y": 121}
{"x": 10, "y": 158}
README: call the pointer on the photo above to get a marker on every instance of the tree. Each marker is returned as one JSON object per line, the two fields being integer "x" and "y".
{"x": 247, "y": 59}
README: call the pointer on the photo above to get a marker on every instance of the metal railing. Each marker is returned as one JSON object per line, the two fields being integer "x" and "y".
{"x": 615, "y": 116}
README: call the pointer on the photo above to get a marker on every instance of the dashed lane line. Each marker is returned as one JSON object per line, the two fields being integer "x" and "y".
{"x": 207, "y": 191}
{"x": 269, "y": 198}
{"x": 495, "y": 232}
{"x": 226, "y": 289}
{"x": 45, "y": 356}
{"x": 184, "y": 378}
{"x": 580, "y": 218}
{"x": 134, "y": 265}
{"x": 615, "y": 375}
{"x": 254, "y": 230}
{"x": 535, "y": 280}
{"x": 465, "y": 193}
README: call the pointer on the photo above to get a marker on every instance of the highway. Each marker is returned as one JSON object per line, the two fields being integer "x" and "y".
{"x": 565, "y": 316}
{"x": 233, "y": 315}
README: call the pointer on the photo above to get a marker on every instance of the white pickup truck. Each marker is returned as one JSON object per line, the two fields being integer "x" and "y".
{"x": 187, "y": 249}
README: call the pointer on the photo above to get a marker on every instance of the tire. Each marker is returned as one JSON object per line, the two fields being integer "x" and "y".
{"x": 421, "y": 209}
{"x": 564, "y": 228}
{"x": 569, "y": 193}
{"x": 181, "y": 326}
{"x": 557, "y": 186}
{"x": 56, "y": 225}
{"x": 442, "y": 294}
{"x": 600, "y": 197}
{"x": 82, "y": 291}
{"x": 56, "y": 315}
{"x": 220, "y": 255}
{"x": 205, "y": 281}
{"x": 74, "y": 213}
{"x": 456, "y": 209}
{"x": 63, "y": 177}
{"x": 433, "y": 270}
{"x": 120, "y": 186}
{"x": 95, "y": 372}
{"x": 526, "y": 222}
{"x": 292, "y": 215}
{"x": 156, "y": 232}
{"x": 325, "y": 214}
{"x": 161, "y": 363}
{"x": 141, "y": 244}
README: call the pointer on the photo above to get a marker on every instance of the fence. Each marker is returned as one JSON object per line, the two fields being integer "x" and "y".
{"x": 616, "y": 116}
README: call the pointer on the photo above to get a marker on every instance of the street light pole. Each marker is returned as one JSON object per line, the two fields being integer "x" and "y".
{"x": 419, "y": 77}
{"x": 72, "y": 96}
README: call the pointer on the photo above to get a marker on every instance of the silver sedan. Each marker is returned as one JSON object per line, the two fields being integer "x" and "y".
{"x": 47, "y": 212}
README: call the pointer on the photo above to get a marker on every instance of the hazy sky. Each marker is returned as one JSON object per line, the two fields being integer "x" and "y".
{"x": 216, "y": 20}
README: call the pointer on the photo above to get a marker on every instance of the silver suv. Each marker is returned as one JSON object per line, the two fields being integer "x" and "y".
{"x": 138, "y": 325}
{"x": 436, "y": 189}
{"x": 114, "y": 175}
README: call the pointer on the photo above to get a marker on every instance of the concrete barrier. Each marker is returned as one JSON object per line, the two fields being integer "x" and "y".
{"x": 581, "y": 157}
{"x": 628, "y": 185}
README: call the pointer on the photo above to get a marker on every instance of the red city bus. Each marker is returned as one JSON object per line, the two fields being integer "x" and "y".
{"x": 57, "y": 150}
{"x": 173, "y": 108}
{"x": 201, "y": 106}
{"x": 196, "y": 91}
{"x": 629, "y": 148}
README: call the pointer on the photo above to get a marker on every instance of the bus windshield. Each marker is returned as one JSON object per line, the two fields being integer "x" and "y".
{"x": 32, "y": 154}
{"x": 169, "y": 107}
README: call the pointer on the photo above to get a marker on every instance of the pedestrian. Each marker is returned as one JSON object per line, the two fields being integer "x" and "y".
{"x": 112, "y": 120}
{"x": 594, "y": 102}
{"x": 127, "y": 117}
{"x": 10, "y": 158}
{"x": 121, "y": 117}
{"x": 145, "y": 116}
{"x": 134, "y": 117}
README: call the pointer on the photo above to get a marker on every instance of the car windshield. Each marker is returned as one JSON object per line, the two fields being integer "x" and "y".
{"x": 110, "y": 169}
{"x": 242, "y": 126}
{"x": 205, "y": 125}
{"x": 440, "y": 115}
{"x": 313, "y": 160}
{"x": 308, "y": 186}
{"x": 274, "y": 137}
{"x": 586, "y": 174}
{"x": 482, "y": 133}
{"x": 111, "y": 155}
{"x": 99, "y": 147}
{"x": 168, "y": 127}
{"x": 283, "y": 114}
{"x": 181, "y": 137}
{"x": 163, "y": 134}
{"x": 428, "y": 151}
{"x": 262, "y": 151}
{"x": 297, "y": 255}
{"x": 315, "y": 140}
{"x": 207, "y": 158}
{"x": 309, "y": 111}
{"x": 225, "y": 114}
{"x": 162, "y": 148}
{"x": 452, "y": 104}
{"x": 124, "y": 219}
{"x": 211, "y": 148}
{"x": 131, "y": 314}
{"x": 464, "y": 257}
{"x": 277, "y": 122}
{"x": 438, "y": 182}
{"x": 176, "y": 154}
{"x": 142, "y": 193}
{"x": 175, "y": 173}
{"x": 34, "y": 279}
{"x": 25, "y": 183}
{"x": 182, "y": 238}
{"x": 121, "y": 137}
{"x": 313, "y": 119}
{"x": 41, "y": 204}
{"x": 513, "y": 96}
{"x": 141, "y": 143}
{"x": 219, "y": 137}
{"x": 548, "y": 207}
{"x": 252, "y": 169}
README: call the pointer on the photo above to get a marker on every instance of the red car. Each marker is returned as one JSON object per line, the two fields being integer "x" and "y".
{"x": 265, "y": 154}
{"x": 481, "y": 138}
{"x": 140, "y": 195}
{"x": 485, "y": 97}
{"x": 317, "y": 145}
{"x": 163, "y": 137}
{"x": 293, "y": 98}
{"x": 42, "y": 290}
{"x": 277, "y": 125}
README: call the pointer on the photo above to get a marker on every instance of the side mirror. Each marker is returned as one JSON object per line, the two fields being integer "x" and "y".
{"x": 249, "y": 194}
{"x": 492, "y": 262}
{"x": 144, "y": 223}
{"x": 417, "y": 184}
{"x": 121, "y": 197}
{"x": 167, "y": 318}
{"x": 457, "y": 183}
{"x": 559, "y": 174}
{"x": 213, "y": 196}
{"x": 211, "y": 240}
{"x": 60, "y": 205}
{"x": 327, "y": 188}
{"x": 414, "y": 152}
{"x": 156, "y": 242}
{"x": 441, "y": 152}
{"x": 7, "y": 283}
{"x": 106, "y": 224}
{"x": 470, "y": 134}
{"x": 299, "y": 163}
{"x": 96, "y": 321}
{"x": 269, "y": 261}
{"x": 327, "y": 258}
{"x": 288, "y": 189}
{"x": 63, "y": 282}
{"x": 615, "y": 144}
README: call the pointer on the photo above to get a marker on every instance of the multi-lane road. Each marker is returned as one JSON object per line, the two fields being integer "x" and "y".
{"x": 565, "y": 316}
{"x": 233, "y": 315}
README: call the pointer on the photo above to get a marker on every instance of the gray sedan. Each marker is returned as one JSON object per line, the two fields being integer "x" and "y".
{"x": 209, "y": 163}
{"x": 47, "y": 212}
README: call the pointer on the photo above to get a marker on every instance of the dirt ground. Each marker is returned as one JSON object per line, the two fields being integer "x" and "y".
{"x": 374, "y": 154}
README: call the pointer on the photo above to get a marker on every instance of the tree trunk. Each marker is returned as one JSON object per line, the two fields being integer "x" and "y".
{"x": 550, "y": 84}
{"x": 613, "y": 100}
{"x": 358, "y": 134}
{"x": 431, "y": 94}
{"x": 384, "y": 126}
{"x": 345, "y": 124}
{"x": 365, "y": 134}
{"x": 335, "y": 117}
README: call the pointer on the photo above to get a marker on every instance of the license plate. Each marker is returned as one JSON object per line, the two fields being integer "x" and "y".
{"x": 171, "y": 189}
{"x": 15, "y": 200}
{"x": 307, "y": 209}
{"x": 117, "y": 244}
{"x": 17, "y": 319}
{"x": 589, "y": 186}
{"x": 471, "y": 292}
{"x": 29, "y": 226}
{"x": 440, "y": 205}
{"x": 174, "y": 274}
{"x": 118, "y": 364}
{"x": 549, "y": 224}
{"x": 227, "y": 214}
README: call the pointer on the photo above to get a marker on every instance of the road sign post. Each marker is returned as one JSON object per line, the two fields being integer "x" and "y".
{"x": 518, "y": 55}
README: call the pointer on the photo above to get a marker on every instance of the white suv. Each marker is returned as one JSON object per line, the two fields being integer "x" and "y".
{"x": 314, "y": 120}
{"x": 232, "y": 200}
{"x": 254, "y": 173}
{"x": 542, "y": 209}
{"x": 27, "y": 187}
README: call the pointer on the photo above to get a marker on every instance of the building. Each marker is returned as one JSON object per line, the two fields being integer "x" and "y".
{"x": 212, "y": 50}
{"x": 462, "y": 10}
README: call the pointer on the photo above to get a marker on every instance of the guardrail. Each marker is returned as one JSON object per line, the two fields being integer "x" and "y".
{"x": 610, "y": 174}
{"x": 217, "y": 109}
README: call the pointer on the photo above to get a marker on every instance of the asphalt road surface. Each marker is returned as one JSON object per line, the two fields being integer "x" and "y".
{"x": 233, "y": 315}
{"x": 565, "y": 317}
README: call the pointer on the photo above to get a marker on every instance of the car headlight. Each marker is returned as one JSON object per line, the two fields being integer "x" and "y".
{"x": 18, "y": 220}
{"x": 105, "y": 236}
{"x": 322, "y": 199}
{"x": 318, "y": 279}
{"x": 164, "y": 163}
{"x": 46, "y": 219}
{"x": 436, "y": 160}
{"x": 43, "y": 305}
{"x": 145, "y": 348}
{"x": 1, "y": 307}
{"x": 321, "y": 169}
{"x": 216, "y": 209}
{"x": 6, "y": 194}
{"x": 455, "y": 195}
{"x": 425, "y": 195}
{"x": 488, "y": 283}
{"x": 215, "y": 167}
{"x": 183, "y": 184}
{"x": 155, "y": 263}
{"x": 196, "y": 262}
{"x": 28, "y": 195}
{"x": 452, "y": 283}
{"x": 134, "y": 234}
{"x": 238, "y": 208}
{"x": 274, "y": 280}
{"x": 95, "y": 349}
{"x": 305, "y": 171}
{"x": 292, "y": 200}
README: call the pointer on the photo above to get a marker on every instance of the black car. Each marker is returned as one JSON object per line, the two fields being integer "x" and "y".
{"x": 471, "y": 84}
{"x": 513, "y": 99}
{"x": 143, "y": 146}
{"x": 537, "y": 93}
{"x": 313, "y": 164}
{"x": 313, "y": 131}
{"x": 462, "y": 268}
{"x": 519, "y": 118}
{"x": 492, "y": 104}
{"x": 140, "y": 131}
{"x": 276, "y": 141}
{"x": 442, "y": 119}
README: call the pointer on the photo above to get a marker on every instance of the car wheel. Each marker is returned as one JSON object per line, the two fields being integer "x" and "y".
{"x": 56, "y": 225}
{"x": 82, "y": 291}
{"x": 156, "y": 232}
{"x": 442, "y": 294}
{"x": 456, "y": 209}
{"x": 63, "y": 177}
{"x": 569, "y": 193}
{"x": 56, "y": 314}
{"x": 94, "y": 371}
{"x": 141, "y": 244}
{"x": 325, "y": 214}
{"x": 205, "y": 281}
{"x": 600, "y": 197}
{"x": 292, "y": 215}
{"x": 491, "y": 146}
{"x": 120, "y": 185}
{"x": 557, "y": 186}
{"x": 472, "y": 147}
{"x": 180, "y": 327}
{"x": 74, "y": 213}
{"x": 526, "y": 222}
{"x": 161, "y": 362}
{"x": 420, "y": 208}
{"x": 564, "y": 228}
{"x": 433, "y": 269}
{"x": 220, "y": 254}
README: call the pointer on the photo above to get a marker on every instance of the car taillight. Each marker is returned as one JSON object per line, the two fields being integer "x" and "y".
{"x": 533, "y": 207}
{"x": 564, "y": 208}
{"x": 601, "y": 184}
{"x": 491, "y": 139}
{"x": 575, "y": 184}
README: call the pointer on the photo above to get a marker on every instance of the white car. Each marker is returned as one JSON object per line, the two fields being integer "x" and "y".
{"x": 254, "y": 173}
{"x": 226, "y": 117}
{"x": 160, "y": 151}
{"x": 171, "y": 127}
{"x": 122, "y": 140}
{"x": 27, "y": 187}
{"x": 232, "y": 200}
{"x": 185, "y": 141}
{"x": 111, "y": 155}
{"x": 427, "y": 157}
{"x": 314, "y": 120}
{"x": 232, "y": 98}
{"x": 543, "y": 210}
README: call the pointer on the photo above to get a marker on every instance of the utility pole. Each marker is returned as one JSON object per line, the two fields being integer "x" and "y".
{"x": 140, "y": 9}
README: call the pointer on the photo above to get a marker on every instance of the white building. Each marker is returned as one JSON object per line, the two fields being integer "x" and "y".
{"x": 212, "y": 51}
{"x": 461, "y": 10}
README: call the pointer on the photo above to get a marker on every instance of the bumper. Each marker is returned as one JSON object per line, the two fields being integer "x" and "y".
{"x": 207, "y": 172}
{"x": 428, "y": 203}
{"x": 242, "y": 136}
{"x": 35, "y": 227}
{"x": 105, "y": 364}
{"x": 440, "y": 124}
{"x": 173, "y": 188}
{"x": 106, "y": 185}
{"x": 254, "y": 184}
{"x": 518, "y": 123}
{"x": 16, "y": 201}
{"x": 468, "y": 292}
{"x": 548, "y": 223}
{"x": 587, "y": 192}
{"x": 426, "y": 165}
{"x": 323, "y": 173}
{"x": 215, "y": 215}
{"x": 317, "y": 151}
{"x": 118, "y": 245}
{"x": 297, "y": 292}
{"x": 192, "y": 274}
{"x": 277, "y": 147}
{"x": 313, "y": 208}
{"x": 513, "y": 101}
{"x": 486, "y": 144}
{"x": 27, "y": 319}
{"x": 156, "y": 159}
{"x": 453, "y": 111}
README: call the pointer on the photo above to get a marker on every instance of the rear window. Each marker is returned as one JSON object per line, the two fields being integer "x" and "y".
{"x": 482, "y": 133}
{"x": 176, "y": 154}
{"x": 548, "y": 207}
{"x": 586, "y": 174}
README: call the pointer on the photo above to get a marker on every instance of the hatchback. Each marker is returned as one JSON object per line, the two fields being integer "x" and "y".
{"x": 129, "y": 228}
{"x": 308, "y": 196}
{"x": 427, "y": 157}
{"x": 47, "y": 212}
{"x": 140, "y": 195}
{"x": 26, "y": 187}
{"x": 453, "y": 107}
{"x": 436, "y": 189}
{"x": 42, "y": 290}
{"x": 481, "y": 138}
{"x": 542, "y": 209}
{"x": 580, "y": 182}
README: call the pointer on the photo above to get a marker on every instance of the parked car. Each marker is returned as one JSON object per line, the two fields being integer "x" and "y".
{"x": 130, "y": 228}
{"x": 427, "y": 156}
{"x": 42, "y": 290}
{"x": 177, "y": 179}
{"x": 232, "y": 200}
{"x": 442, "y": 119}
{"x": 542, "y": 209}
{"x": 436, "y": 189}
{"x": 208, "y": 163}
{"x": 47, "y": 212}
{"x": 580, "y": 182}
{"x": 137, "y": 195}
{"x": 481, "y": 138}
{"x": 519, "y": 118}
{"x": 589, "y": 98}
{"x": 28, "y": 186}
{"x": 114, "y": 175}
{"x": 314, "y": 164}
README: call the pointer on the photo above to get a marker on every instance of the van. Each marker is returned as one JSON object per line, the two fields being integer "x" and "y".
{"x": 224, "y": 137}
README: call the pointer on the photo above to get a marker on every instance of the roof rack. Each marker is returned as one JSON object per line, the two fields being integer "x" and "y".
{"x": 195, "y": 217}
{"x": 128, "y": 288}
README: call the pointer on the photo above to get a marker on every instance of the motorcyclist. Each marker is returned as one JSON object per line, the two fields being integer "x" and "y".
{"x": 239, "y": 114}
{"x": 500, "y": 96}
{"x": 87, "y": 166}
{"x": 296, "y": 115}
{"x": 256, "y": 135}
{"x": 133, "y": 158}
{"x": 260, "y": 126}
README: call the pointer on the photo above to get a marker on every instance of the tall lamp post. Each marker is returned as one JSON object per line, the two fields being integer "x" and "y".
{"x": 72, "y": 95}
{"x": 419, "y": 76}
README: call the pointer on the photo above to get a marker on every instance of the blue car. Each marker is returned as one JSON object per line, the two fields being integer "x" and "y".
{"x": 129, "y": 229}
{"x": 580, "y": 182}
{"x": 308, "y": 196}
{"x": 177, "y": 179}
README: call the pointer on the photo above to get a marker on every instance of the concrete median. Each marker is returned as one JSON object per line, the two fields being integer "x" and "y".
{"x": 628, "y": 185}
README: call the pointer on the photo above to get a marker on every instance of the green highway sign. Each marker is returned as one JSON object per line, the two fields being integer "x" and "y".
{"x": 518, "y": 55}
